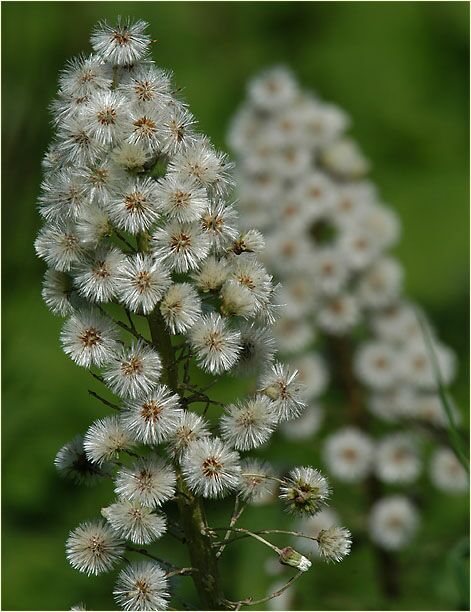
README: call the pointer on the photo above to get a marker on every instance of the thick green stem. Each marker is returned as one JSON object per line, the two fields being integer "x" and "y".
{"x": 192, "y": 516}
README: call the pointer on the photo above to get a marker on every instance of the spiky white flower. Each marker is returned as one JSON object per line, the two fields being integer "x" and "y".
{"x": 59, "y": 246}
{"x": 217, "y": 346}
{"x": 180, "y": 307}
{"x": 393, "y": 521}
{"x": 249, "y": 424}
{"x": 181, "y": 198}
{"x": 89, "y": 338}
{"x": 148, "y": 86}
{"x": 190, "y": 427}
{"x": 77, "y": 145}
{"x": 142, "y": 586}
{"x": 177, "y": 128}
{"x": 334, "y": 543}
{"x": 93, "y": 227}
{"x": 257, "y": 349}
{"x": 153, "y": 418}
{"x": 72, "y": 462}
{"x": 57, "y": 292}
{"x": 348, "y": 454}
{"x": 305, "y": 491}
{"x": 257, "y": 485}
{"x": 380, "y": 285}
{"x": 397, "y": 459}
{"x": 237, "y": 300}
{"x": 105, "y": 439}
{"x": 97, "y": 277}
{"x": 84, "y": 76}
{"x": 218, "y": 223}
{"x": 122, "y": 44}
{"x": 181, "y": 245}
{"x": 134, "y": 371}
{"x": 106, "y": 116}
{"x": 134, "y": 207}
{"x": 149, "y": 481}
{"x": 142, "y": 282}
{"x": 376, "y": 364}
{"x": 447, "y": 473}
{"x": 275, "y": 88}
{"x": 311, "y": 526}
{"x": 211, "y": 468}
{"x": 338, "y": 314}
{"x": 135, "y": 522}
{"x": 130, "y": 156}
{"x": 93, "y": 548}
{"x": 281, "y": 386}
{"x": 211, "y": 275}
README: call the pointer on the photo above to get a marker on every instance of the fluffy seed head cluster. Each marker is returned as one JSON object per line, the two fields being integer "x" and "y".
{"x": 304, "y": 182}
{"x": 138, "y": 233}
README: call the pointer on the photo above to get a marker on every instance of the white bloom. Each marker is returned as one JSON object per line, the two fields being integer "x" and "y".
{"x": 211, "y": 468}
{"x": 77, "y": 145}
{"x": 217, "y": 347}
{"x": 382, "y": 223}
{"x": 280, "y": 384}
{"x": 93, "y": 226}
{"x": 180, "y": 307}
{"x": 57, "y": 292}
{"x": 130, "y": 156}
{"x": 123, "y": 44}
{"x": 305, "y": 491}
{"x": 133, "y": 521}
{"x": 83, "y": 76}
{"x": 376, "y": 365}
{"x": 153, "y": 418}
{"x": 256, "y": 484}
{"x": 237, "y": 300}
{"x": 211, "y": 275}
{"x": 348, "y": 454}
{"x": 344, "y": 159}
{"x": 94, "y": 548}
{"x": 105, "y": 439}
{"x": 417, "y": 364}
{"x": 380, "y": 285}
{"x": 89, "y": 338}
{"x": 393, "y": 521}
{"x": 177, "y": 128}
{"x": 146, "y": 129}
{"x": 190, "y": 427}
{"x": 311, "y": 526}
{"x": 63, "y": 196}
{"x": 134, "y": 207}
{"x": 249, "y": 424}
{"x": 447, "y": 473}
{"x": 142, "y": 282}
{"x": 149, "y": 481}
{"x": 331, "y": 273}
{"x": 59, "y": 246}
{"x": 293, "y": 335}
{"x": 134, "y": 371}
{"x": 72, "y": 462}
{"x": 305, "y": 425}
{"x": 200, "y": 161}
{"x": 181, "y": 245}
{"x": 97, "y": 277}
{"x": 397, "y": 459}
{"x": 334, "y": 543}
{"x": 338, "y": 314}
{"x": 312, "y": 374}
{"x": 257, "y": 349}
{"x": 274, "y": 89}
{"x": 142, "y": 586}
{"x": 250, "y": 241}
{"x": 148, "y": 86}
{"x": 181, "y": 198}
{"x": 106, "y": 115}
{"x": 359, "y": 248}
{"x": 218, "y": 222}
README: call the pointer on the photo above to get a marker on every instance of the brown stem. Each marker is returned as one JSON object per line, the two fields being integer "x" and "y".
{"x": 191, "y": 509}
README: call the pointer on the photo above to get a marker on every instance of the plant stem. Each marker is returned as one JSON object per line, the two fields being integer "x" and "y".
{"x": 191, "y": 509}
{"x": 386, "y": 562}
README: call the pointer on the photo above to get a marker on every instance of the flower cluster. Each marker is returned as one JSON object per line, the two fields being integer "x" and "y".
{"x": 303, "y": 182}
{"x": 137, "y": 231}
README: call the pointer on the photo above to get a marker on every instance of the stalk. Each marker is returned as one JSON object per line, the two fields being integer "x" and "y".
{"x": 386, "y": 563}
{"x": 191, "y": 509}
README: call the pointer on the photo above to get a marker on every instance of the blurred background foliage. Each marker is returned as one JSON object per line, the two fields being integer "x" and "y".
{"x": 401, "y": 71}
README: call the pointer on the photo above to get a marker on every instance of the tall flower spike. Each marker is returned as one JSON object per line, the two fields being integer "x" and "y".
{"x": 147, "y": 259}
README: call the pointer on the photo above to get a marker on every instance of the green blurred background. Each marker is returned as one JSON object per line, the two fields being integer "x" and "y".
{"x": 401, "y": 71}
